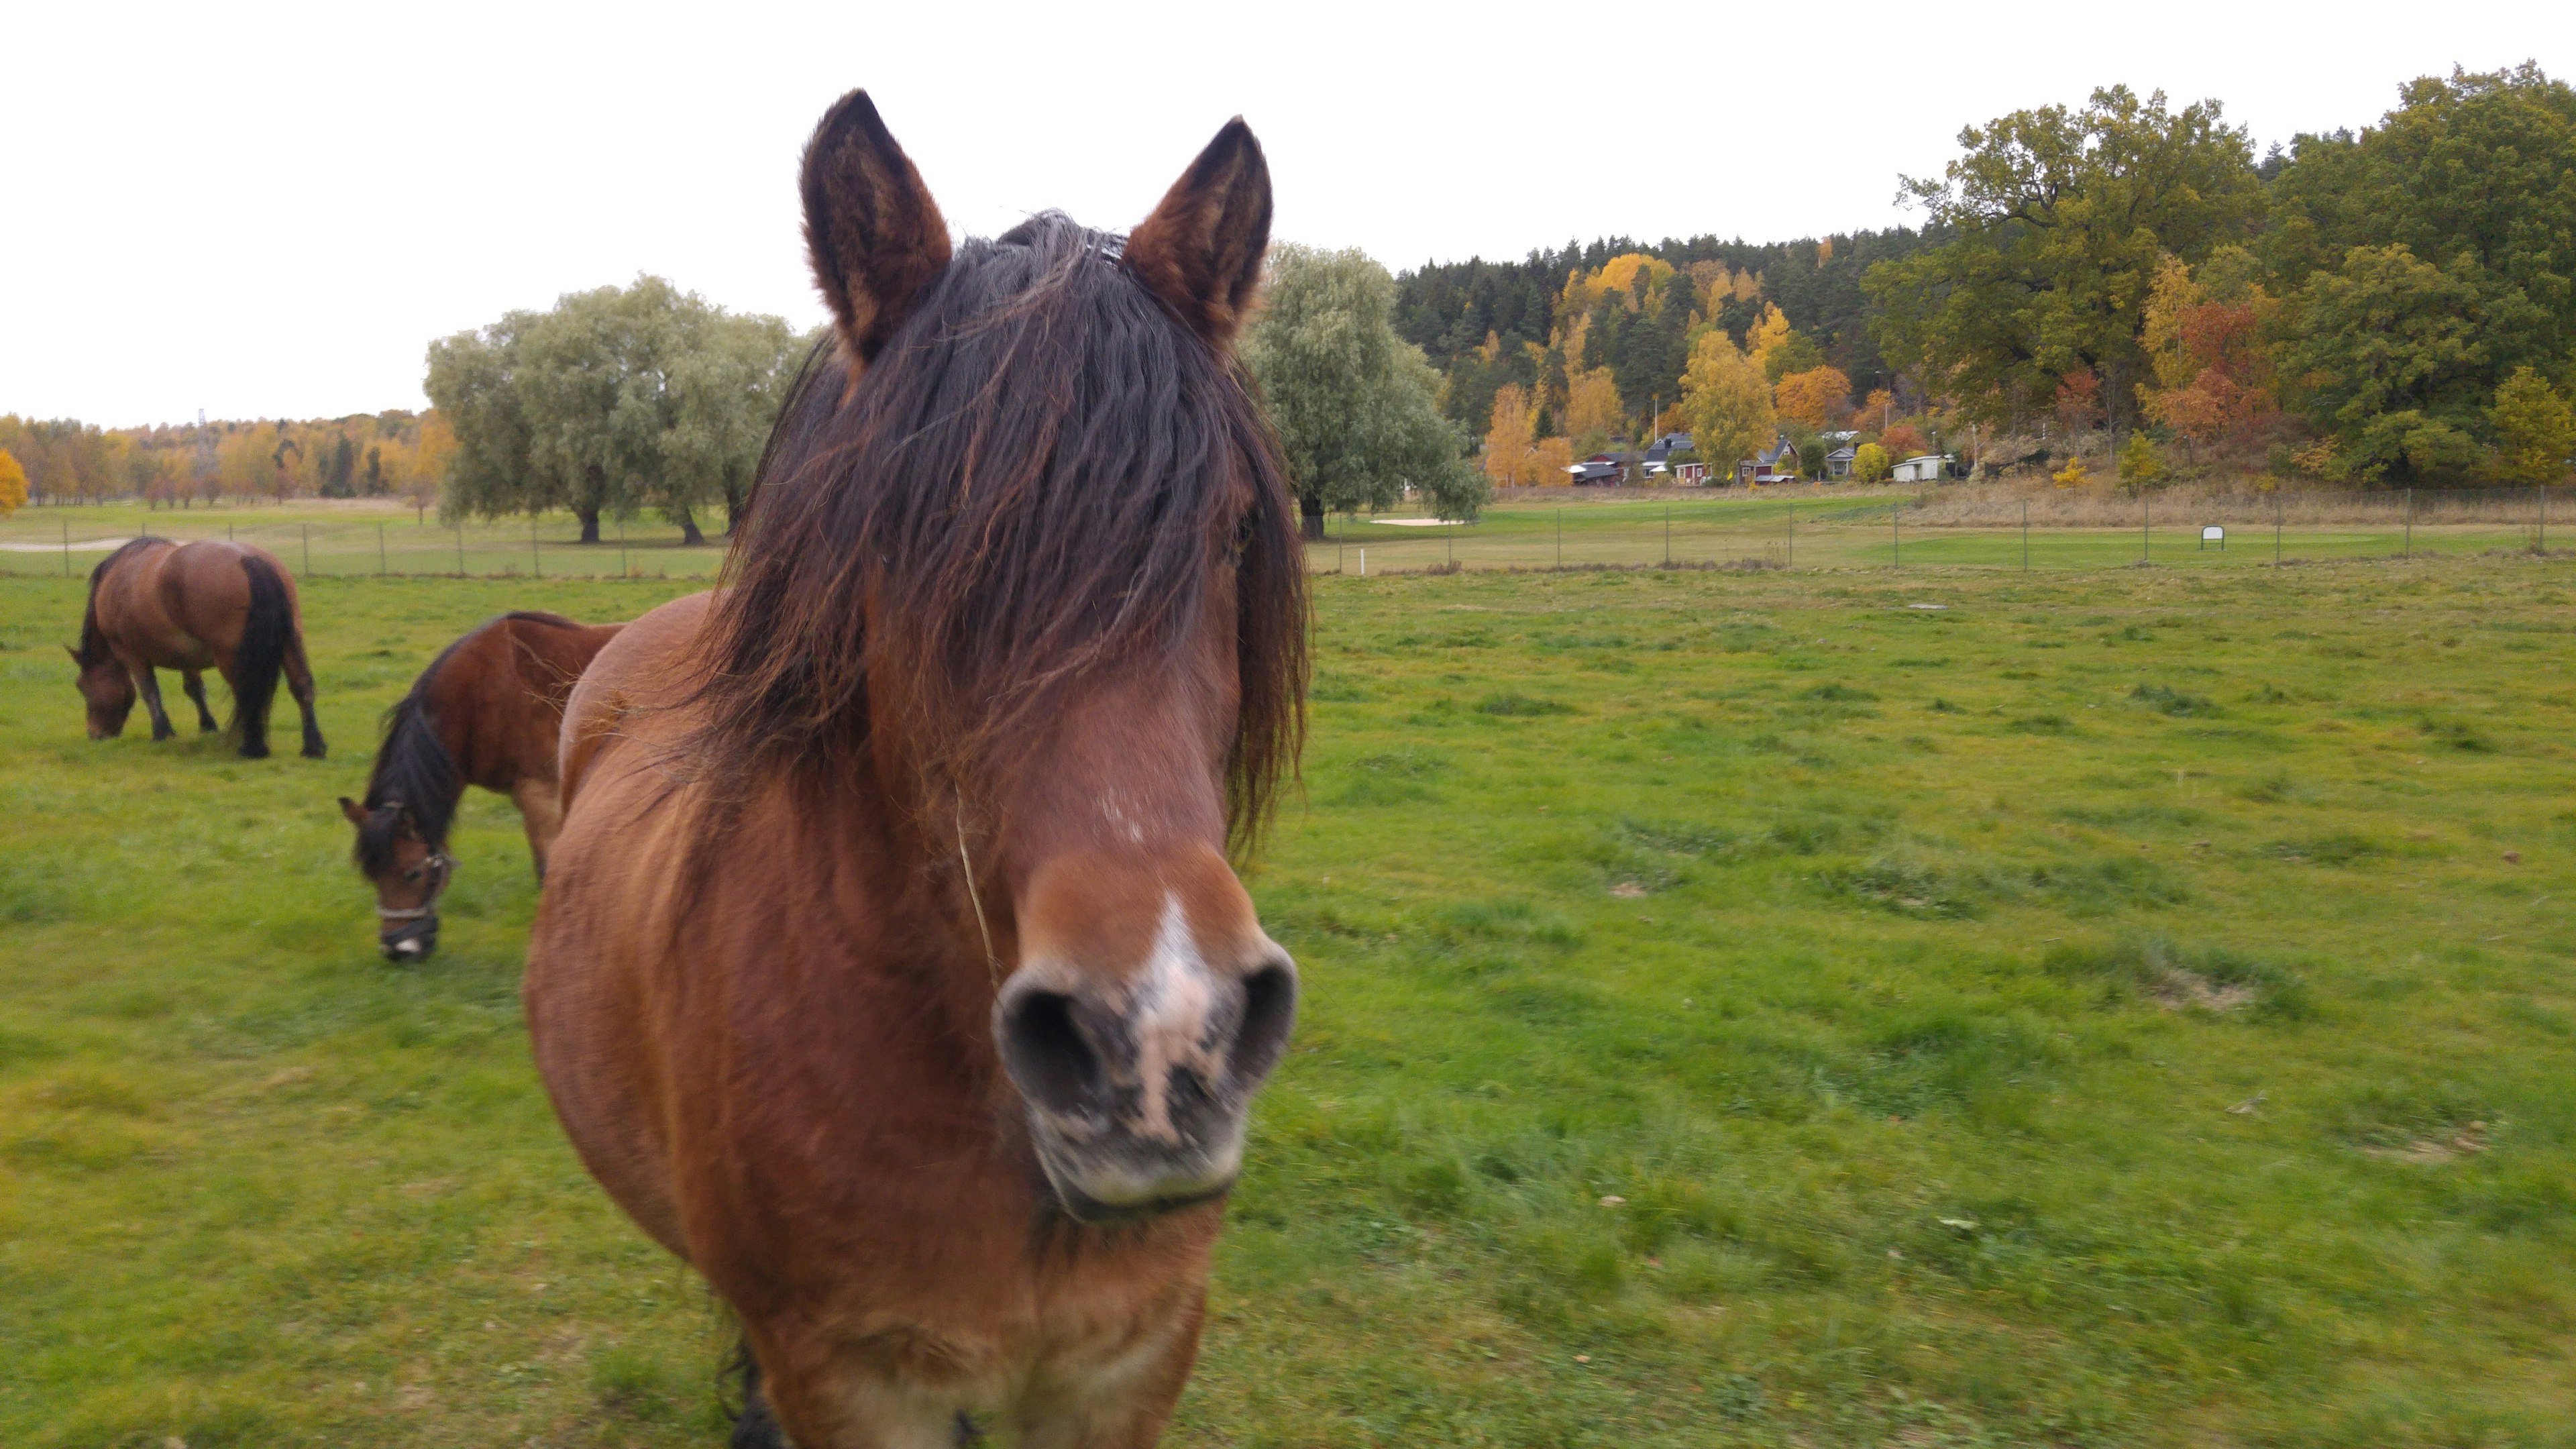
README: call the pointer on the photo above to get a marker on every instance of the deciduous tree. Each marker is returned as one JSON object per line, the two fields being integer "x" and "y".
{"x": 1870, "y": 463}
{"x": 2056, "y": 222}
{"x": 1816, "y": 398}
{"x": 13, "y": 484}
{"x": 619, "y": 399}
{"x": 2535, "y": 429}
{"x": 1593, "y": 415}
{"x": 2392, "y": 356}
{"x": 2141, "y": 466}
{"x": 1727, "y": 401}
{"x": 1355, "y": 406}
{"x": 1511, "y": 457}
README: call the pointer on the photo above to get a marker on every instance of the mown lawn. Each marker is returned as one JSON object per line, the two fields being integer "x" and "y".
{"x": 2125, "y": 1008}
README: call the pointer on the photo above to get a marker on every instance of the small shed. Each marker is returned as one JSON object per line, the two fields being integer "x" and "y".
{"x": 1921, "y": 468}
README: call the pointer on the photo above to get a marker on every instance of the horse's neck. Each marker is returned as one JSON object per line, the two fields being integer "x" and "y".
{"x": 885, "y": 892}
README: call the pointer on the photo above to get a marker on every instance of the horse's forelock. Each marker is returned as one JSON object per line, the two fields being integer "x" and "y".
{"x": 1030, "y": 480}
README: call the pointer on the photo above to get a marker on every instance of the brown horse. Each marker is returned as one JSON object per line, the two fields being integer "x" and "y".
{"x": 155, "y": 604}
{"x": 891, "y": 970}
{"x": 485, "y": 712}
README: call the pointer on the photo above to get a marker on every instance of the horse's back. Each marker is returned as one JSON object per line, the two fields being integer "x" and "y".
{"x": 644, "y": 667}
{"x": 182, "y": 605}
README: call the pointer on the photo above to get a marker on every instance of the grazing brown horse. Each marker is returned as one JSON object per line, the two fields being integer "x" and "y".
{"x": 155, "y": 604}
{"x": 485, "y": 712}
{"x": 890, "y": 969}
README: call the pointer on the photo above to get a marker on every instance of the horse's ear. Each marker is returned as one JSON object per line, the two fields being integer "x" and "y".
{"x": 875, "y": 236}
{"x": 1201, "y": 250}
{"x": 76, "y": 656}
{"x": 356, "y": 812}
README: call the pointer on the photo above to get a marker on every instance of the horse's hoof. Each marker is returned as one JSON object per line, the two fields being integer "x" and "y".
{"x": 254, "y": 752}
{"x": 313, "y": 752}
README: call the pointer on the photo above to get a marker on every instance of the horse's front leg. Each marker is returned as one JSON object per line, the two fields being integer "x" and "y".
{"x": 299, "y": 682}
{"x": 542, "y": 814}
{"x": 148, "y": 684}
{"x": 194, "y": 682}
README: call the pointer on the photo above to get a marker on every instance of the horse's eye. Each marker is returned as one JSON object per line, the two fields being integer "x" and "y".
{"x": 1242, "y": 539}
{"x": 412, "y": 874}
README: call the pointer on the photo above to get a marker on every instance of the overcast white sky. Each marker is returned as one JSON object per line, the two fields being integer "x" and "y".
{"x": 270, "y": 211}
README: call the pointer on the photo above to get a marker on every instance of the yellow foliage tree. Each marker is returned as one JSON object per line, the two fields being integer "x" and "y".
{"x": 1727, "y": 402}
{"x": 1768, "y": 334}
{"x": 1510, "y": 457}
{"x": 1817, "y": 397}
{"x": 13, "y": 484}
{"x": 1550, "y": 458}
{"x": 1592, "y": 411}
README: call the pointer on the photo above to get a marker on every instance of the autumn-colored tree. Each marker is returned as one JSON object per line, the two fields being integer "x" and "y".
{"x": 1727, "y": 402}
{"x": 1592, "y": 412}
{"x": 1904, "y": 441}
{"x": 2052, "y": 222}
{"x": 2535, "y": 430}
{"x": 1818, "y": 397}
{"x": 2073, "y": 475}
{"x": 1870, "y": 463}
{"x": 1878, "y": 410}
{"x": 13, "y": 484}
{"x": 2213, "y": 365}
{"x": 1510, "y": 455}
{"x": 1551, "y": 460}
{"x": 1768, "y": 335}
{"x": 2141, "y": 466}
{"x": 2079, "y": 401}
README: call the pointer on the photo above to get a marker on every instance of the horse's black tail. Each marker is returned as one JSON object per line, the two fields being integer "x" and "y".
{"x": 267, "y": 632}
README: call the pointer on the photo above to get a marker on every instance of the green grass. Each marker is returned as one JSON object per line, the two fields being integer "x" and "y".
{"x": 2130, "y": 1008}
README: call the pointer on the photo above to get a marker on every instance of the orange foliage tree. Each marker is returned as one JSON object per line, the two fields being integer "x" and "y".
{"x": 1818, "y": 397}
{"x": 2214, "y": 370}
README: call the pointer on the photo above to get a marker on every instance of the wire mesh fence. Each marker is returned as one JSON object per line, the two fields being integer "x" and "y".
{"x": 325, "y": 544}
{"x": 1958, "y": 527}
{"x": 1792, "y": 527}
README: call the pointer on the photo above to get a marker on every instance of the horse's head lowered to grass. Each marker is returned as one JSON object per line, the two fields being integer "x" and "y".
{"x": 1022, "y": 561}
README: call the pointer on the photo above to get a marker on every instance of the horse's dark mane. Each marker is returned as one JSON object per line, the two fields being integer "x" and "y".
{"x": 413, "y": 767}
{"x": 1038, "y": 475}
{"x": 93, "y": 644}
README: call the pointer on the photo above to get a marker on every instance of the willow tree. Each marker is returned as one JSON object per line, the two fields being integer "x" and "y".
{"x": 616, "y": 401}
{"x": 1356, "y": 407}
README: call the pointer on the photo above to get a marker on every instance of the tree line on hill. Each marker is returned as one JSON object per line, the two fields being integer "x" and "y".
{"x": 364, "y": 455}
{"x": 2394, "y": 304}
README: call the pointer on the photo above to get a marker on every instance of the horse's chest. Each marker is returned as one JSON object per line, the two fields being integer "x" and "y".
{"x": 1086, "y": 1330}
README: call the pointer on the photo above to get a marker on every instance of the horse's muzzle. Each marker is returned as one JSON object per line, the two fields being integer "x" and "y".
{"x": 1137, "y": 1092}
{"x": 412, "y": 941}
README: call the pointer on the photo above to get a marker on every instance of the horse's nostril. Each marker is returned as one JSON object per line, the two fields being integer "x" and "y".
{"x": 1269, "y": 1010}
{"x": 1046, "y": 1053}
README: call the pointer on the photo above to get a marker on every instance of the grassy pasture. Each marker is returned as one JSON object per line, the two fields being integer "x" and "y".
{"x": 2123, "y": 1008}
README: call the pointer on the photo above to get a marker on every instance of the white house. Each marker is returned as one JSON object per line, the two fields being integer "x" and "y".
{"x": 1921, "y": 468}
